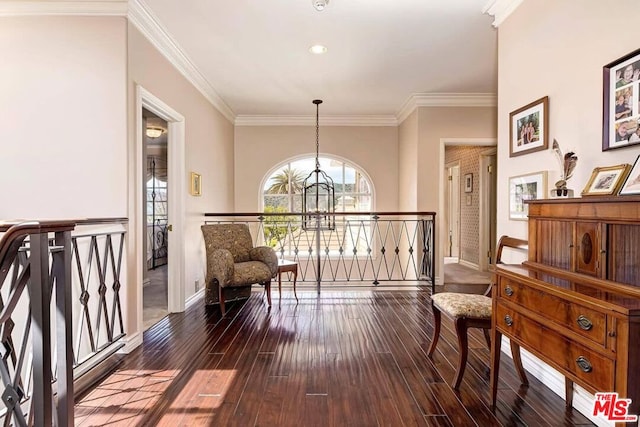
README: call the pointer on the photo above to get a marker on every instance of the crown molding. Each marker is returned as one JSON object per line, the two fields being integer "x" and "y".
{"x": 78, "y": 8}
{"x": 445, "y": 100}
{"x": 148, "y": 24}
{"x": 256, "y": 120}
{"x": 500, "y": 9}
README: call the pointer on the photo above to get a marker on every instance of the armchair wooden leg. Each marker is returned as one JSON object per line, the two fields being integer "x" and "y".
{"x": 463, "y": 347}
{"x": 267, "y": 288}
{"x": 221, "y": 299}
{"x": 436, "y": 330}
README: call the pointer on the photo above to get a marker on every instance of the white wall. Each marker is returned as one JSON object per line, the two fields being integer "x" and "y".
{"x": 259, "y": 148}
{"x": 408, "y": 163}
{"x": 63, "y": 151}
{"x": 557, "y": 48}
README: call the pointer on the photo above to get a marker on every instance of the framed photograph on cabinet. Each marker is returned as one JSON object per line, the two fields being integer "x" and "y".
{"x": 606, "y": 181}
{"x": 621, "y": 102}
{"x": 632, "y": 184}
{"x": 529, "y": 128}
{"x": 196, "y": 184}
{"x": 468, "y": 183}
{"x": 532, "y": 186}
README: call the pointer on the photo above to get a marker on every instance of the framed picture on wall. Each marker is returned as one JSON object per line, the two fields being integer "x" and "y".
{"x": 529, "y": 128}
{"x": 621, "y": 102}
{"x": 532, "y": 186}
{"x": 196, "y": 184}
{"x": 468, "y": 183}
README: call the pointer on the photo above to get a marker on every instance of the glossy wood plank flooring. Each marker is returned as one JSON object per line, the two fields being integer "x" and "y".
{"x": 344, "y": 358}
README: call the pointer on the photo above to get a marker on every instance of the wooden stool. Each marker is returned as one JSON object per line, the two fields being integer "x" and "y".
{"x": 287, "y": 266}
{"x": 472, "y": 311}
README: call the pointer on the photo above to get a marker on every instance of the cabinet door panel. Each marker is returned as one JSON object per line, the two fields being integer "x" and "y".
{"x": 555, "y": 243}
{"x": 623, "y": 254}
{"x": 588, "y": 248}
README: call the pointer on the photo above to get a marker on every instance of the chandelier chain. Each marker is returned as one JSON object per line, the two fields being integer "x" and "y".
{"x": 317, "y": 137}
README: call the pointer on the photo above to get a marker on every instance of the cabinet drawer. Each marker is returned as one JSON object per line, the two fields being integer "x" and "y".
{"x": 592, "y": 369}
{"x": 575, "y": 317}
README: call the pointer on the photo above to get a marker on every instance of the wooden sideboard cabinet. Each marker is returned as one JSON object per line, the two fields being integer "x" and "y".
{"x": 575, "y": 303}
{"x": 599, "y": 237}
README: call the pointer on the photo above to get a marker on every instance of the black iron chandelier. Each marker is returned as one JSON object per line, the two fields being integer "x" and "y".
{"x": 318, "y": 193}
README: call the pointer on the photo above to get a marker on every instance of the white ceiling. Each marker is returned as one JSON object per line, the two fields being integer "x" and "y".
{"x": 254, "y": 53}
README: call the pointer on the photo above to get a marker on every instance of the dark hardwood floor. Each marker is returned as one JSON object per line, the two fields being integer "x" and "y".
{"x": 344, "y": 358}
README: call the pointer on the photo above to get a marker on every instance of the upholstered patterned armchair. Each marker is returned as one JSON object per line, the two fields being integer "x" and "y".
{"x": 233, "y": 264}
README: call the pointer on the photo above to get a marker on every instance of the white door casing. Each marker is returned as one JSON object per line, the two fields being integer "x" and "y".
{"x": 175, "y": 187}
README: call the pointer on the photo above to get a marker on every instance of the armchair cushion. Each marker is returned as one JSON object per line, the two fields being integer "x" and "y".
{"x": 266, "y": 255}
{"x": 249, "y": 272}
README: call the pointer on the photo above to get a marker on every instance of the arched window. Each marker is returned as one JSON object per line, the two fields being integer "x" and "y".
{"x": 282, "y": 191}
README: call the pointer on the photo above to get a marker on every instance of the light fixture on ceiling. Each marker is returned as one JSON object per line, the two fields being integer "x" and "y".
{"x": 318, "y": 49}
{"x": 154, "y": 132}
{"x": 319, "y": 4}
{"x": 318, "y": 193}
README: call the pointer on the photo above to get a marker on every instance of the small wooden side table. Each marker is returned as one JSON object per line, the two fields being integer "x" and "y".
{"x": 287, "y": 266}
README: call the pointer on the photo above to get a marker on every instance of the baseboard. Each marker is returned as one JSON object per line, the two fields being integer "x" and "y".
{"x": 469, "y": 264}
{"x": 131, "y": 342}
{"x": 194, "y": 297}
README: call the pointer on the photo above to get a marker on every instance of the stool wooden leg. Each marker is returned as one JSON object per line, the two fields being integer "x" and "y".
{"x": 436, "y": 330}
{"x": 280, "y": 284}
{"x": 463, "y": 347}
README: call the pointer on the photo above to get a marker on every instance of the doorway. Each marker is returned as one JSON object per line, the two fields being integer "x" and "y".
{"x": 175, "y": 134}
{"x": 471, "y": 206}
{"x": 156, "y": 219}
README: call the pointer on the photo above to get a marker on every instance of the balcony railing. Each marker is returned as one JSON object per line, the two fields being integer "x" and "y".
{"x": 364, "y": 247}
{"x": 60, "y": 312}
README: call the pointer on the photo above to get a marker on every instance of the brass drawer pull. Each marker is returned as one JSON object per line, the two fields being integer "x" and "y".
{"x": 584, "y": 364}
{"x": 508, "y": 291}
{"x": 508, "y": 320}
{"x": 584, "y": 323}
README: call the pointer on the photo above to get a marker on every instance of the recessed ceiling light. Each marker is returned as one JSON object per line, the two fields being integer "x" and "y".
{"x": 320, "y": 5}
{"x": 318, "y": 49}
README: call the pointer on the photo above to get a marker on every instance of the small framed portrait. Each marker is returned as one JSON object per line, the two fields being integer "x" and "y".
{"x": 196, "y": 184}
{"x": 606, "y": 181}
{"x": 529, "y": 128}
{"x": 621, "y": 102}
{"x": 632, "y": 184}
{"x": 468, "y": 183}
{"x": 532, "y": 186}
